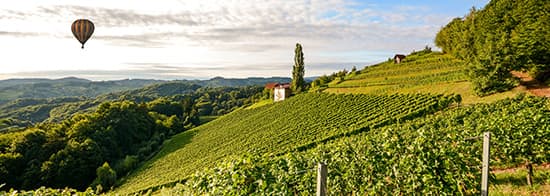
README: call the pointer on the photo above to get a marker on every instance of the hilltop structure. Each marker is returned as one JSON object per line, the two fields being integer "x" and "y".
{"x": 398, "y": 58}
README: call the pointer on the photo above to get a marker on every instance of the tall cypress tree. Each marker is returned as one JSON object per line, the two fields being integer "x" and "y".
{"x": 298, "y": 82}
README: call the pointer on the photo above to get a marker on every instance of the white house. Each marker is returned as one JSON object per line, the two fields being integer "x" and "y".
{"x": 281, "y": 91}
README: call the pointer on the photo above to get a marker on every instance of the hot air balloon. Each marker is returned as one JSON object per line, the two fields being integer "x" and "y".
{"x": 82, "y": 30}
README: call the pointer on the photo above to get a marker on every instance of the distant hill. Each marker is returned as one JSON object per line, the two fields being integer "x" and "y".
{"x": 235, "y": 82}
{"x": 65, "y": 87}
{"x": 12, "y": 89}
{"x": 59, "y": 99}
{"x": 13, "y": 82}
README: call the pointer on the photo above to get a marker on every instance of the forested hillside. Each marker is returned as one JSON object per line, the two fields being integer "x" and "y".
{"x": 23, "y": 112}
{"x": 13, "y": 89}
{"x": 112, "y": 133}
{"x": 61, "y": 141}
{"x": 505, "y": 35}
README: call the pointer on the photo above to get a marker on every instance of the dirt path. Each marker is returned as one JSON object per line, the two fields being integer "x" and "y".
{"x": 532, "y": 85}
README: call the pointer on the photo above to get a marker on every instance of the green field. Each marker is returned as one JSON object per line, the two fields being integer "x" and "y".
{"x": 429, "y": 73}
{"x": 297, "y": 123}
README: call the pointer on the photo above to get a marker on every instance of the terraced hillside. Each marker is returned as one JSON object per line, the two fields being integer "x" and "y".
{"x": 298, "y": 123}
{"x": 418, "y": 73}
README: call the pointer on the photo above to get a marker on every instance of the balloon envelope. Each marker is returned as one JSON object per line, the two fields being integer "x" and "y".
{"x": 82, "y": 30}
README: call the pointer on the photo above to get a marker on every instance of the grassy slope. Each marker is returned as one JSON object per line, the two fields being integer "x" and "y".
{"x": 274, "y": 128}
{"x": 432, "y": 73}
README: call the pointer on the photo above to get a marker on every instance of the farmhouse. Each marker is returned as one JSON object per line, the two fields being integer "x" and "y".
{"x": 398, "y": 58}
{"x": 281, "y": 91}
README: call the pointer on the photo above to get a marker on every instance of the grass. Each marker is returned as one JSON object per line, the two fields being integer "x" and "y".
{"x": 514, "y": 183}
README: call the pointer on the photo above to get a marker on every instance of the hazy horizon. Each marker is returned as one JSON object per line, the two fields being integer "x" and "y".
{"x": 203, "y": 39}
{"x": 102, "y": 75}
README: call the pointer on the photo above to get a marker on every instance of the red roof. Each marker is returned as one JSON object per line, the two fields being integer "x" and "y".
{"x": 283, "y": 85}
{"x": 271, "y": 85}
{"x": 277, "y": 85}
{"x": 401, "y": 56}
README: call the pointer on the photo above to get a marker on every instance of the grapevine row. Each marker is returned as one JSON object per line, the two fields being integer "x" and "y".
{"x": 295, "y": 124}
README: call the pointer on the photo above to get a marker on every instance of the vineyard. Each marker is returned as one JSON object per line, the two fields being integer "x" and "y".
{"x": 297, "y": 124}
{"x": 419, "y": 73}
{"x": 433, "y": 155}
{"x": 433, "y": 68}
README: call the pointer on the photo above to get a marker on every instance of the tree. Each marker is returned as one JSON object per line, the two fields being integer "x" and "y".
{"x": 106, "y": 177}
{"x": 504, "y": 36}
{"x": 298, "y": 82}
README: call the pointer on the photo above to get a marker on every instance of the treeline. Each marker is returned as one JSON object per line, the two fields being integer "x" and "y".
{"x": 68, "y": 154}
{"x": 13, "y": 89}
{"x": 504, "y": 36}
{"x": 20, "y": 113}
{"x": 97, "y": 148}
{"x": 65, "y": 87}
{"x": 323, "y": 81}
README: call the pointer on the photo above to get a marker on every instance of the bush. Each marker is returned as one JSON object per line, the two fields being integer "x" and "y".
{"x": 127, "y": 164}
{"x": 106, "y": 177}
{"x": 488, "y": 79}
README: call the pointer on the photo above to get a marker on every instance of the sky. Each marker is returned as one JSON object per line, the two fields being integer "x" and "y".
{"x": 192, "y": 39}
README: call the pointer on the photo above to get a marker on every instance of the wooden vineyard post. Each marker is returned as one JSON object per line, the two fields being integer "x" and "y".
{"x": 322, "y": 179}
{"x": 485, "y": 164}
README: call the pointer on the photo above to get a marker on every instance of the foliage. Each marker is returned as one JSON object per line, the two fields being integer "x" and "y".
{"x": 298, "y": 82}
{"x": 106, "y": 177}
{"x": 299, "y": 123}
{"x": 427, "y": 50}
{"x": 66, "y": 153}
{"x": 22, "y": 113}
{"x": 324, "y": 81}
{"x": 430, "y": 155}
{"x": 49, "y": 191}
{"x": 505, "y": 35}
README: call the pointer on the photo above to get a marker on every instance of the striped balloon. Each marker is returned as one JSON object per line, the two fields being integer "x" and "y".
{"x": 82, "y": 30}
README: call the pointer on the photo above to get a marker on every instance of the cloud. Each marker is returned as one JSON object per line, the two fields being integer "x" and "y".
{"x": 239, "y": 23}
{"x": 19, "y": 34}
{"x": 141, "y": 41}
{"x": 221, "y": 37}
{"x": 118, "y": 17}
